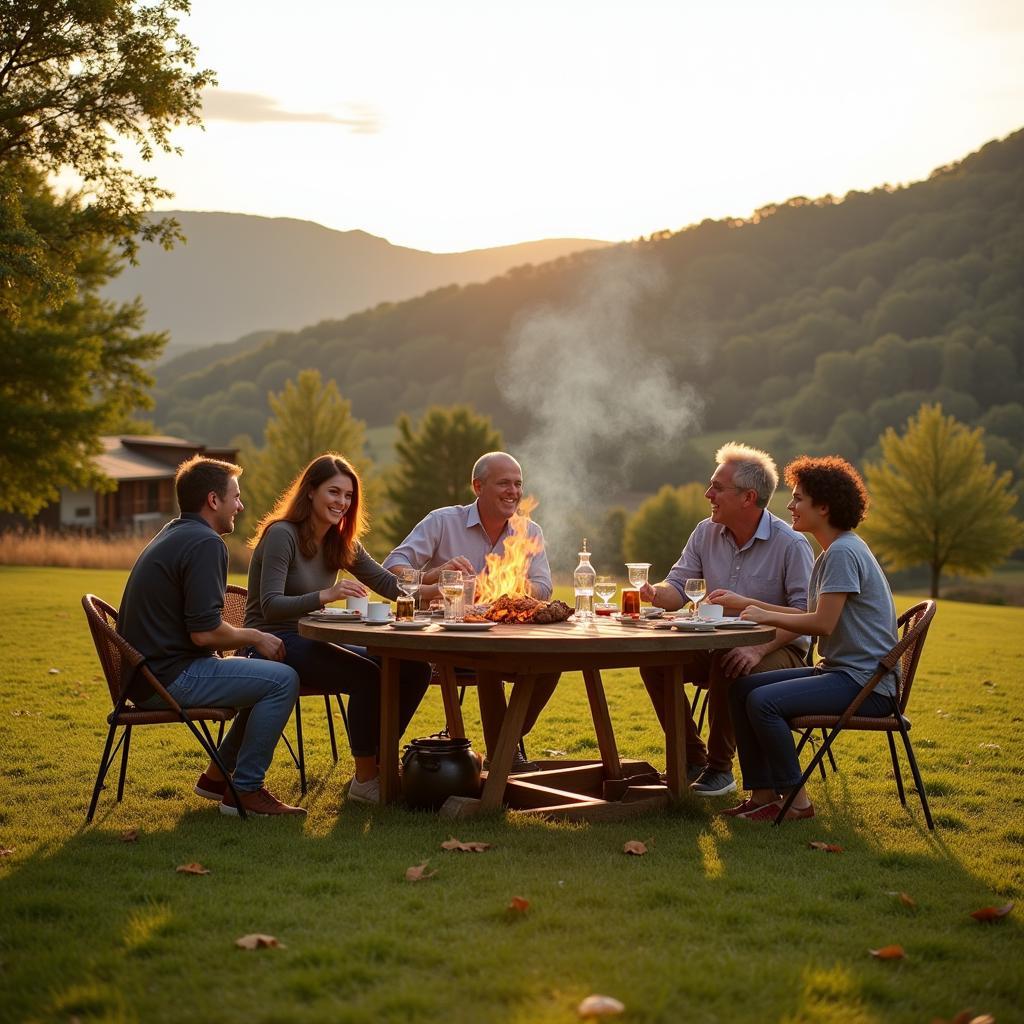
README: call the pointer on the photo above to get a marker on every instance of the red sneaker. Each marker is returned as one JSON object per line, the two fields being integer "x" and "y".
{"x": 747, "y": 805}
{"x": 769, "y": 812}
{"x": 260, "y": 804}
{"x": 210, "y": 789}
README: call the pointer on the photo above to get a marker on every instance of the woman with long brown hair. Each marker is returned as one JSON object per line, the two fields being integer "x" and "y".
{"x": 300, "y": 547}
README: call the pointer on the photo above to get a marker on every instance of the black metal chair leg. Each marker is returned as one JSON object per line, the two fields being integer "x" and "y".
{"x": 344, "y": 718}
{"x": 804, "y": 737}
{"x": 101, "y": 774}
{"x": 917, "y": 778}
{"x": 897, "y": 774}
{"x": 808, "y": 772}
{"x": 126, "y": 741}
{"x": 330, "y": 727}
{"x": 831, "y": 756}
{"x": 215, "y": 757}
{"x": 220, "y": 733}
{"x": 298, "y": 744}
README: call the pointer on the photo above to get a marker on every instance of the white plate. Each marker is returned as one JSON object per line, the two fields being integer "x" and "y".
{"x": 336, "y": 614}
{"x": 689, "y": 626}
{"x": 467, "y": 627}
{"x": 736, "y": 624}
{"x": 628, "y": 620}
{"x": 379, "y": 622}
{"x": 415, "y": 624}
{"x": 652, "y": 613}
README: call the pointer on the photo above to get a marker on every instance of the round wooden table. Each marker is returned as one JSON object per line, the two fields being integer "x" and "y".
{"x": 521, "y": 653}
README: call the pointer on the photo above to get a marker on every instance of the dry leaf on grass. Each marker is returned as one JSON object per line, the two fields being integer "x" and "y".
{"x": 600, "y": 1006}
{"x": 888, "y": 953}
{"x": 129, "y": 836}
{"x": 992, "y": 913}
{"x": 195, "y": 868}
{"x": 989, "y": 746}
{"x": 471, "y": 847}
{"x": 966, "y": 1017}
{"x": 827, "y": 847}
{"x": 259, "y": 942}
{"x": 905, "y": 898}
{"x": 635, "y": 847}
{"x": 6, "y": 851}
{"x": 419, "y": 873}
{"x": 519, "y": 905}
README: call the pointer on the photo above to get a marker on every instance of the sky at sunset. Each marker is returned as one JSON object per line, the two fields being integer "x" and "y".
{"x": 459, "y": 124}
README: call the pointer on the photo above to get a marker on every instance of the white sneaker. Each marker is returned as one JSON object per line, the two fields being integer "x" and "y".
{"x": 365, "y": 792}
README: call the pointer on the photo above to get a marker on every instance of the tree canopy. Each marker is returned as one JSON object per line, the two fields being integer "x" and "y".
{"x": 435, "y": 462}
{"x": 937, "y": 502}
{"x": 78, "y": 81}
{"x": 659, "y": 528}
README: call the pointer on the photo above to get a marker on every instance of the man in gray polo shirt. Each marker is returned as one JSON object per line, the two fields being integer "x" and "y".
{"x": 171, "y": 613}
{"x": 742, "y": 548}
{"x": 461, "y": 537}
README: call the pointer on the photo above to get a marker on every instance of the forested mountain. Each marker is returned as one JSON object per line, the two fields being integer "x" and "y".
{"x": 828, "y": 319}
{"x": 238, "y": 274}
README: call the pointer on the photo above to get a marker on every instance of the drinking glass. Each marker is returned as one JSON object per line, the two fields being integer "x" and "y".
{"x": 409, "y": 580}
{"x": 638, "y": 574}
{"x": 451, "y": 584}
{"x": 605, "y": 587}
{"x": 696, "y": 591}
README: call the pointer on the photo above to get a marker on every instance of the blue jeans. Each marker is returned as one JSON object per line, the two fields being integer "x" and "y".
{"x": 266, "y": 690}
{"x": 331, "y": 668}
{"x": 762, "y": 703}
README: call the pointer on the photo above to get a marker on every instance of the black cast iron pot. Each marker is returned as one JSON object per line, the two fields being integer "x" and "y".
{"x": 436, "y": 768}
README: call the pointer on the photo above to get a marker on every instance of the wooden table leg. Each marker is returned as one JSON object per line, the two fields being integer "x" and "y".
{"x": 452, "y": 707}
{"x": 390, "y": 787}
{"x": 490, "y": 691}
{"x": 675, "y": 731}
{"x": 602, "y": 724}
{"x": 508, "y": 743}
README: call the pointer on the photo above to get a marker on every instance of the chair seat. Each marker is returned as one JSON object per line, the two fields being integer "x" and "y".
{"x": 138, "y": 717}
{"x": 886, "y": 724}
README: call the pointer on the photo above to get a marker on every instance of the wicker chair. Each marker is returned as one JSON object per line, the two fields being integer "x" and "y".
{"x": 913, "y": 627}
{"x": 122, "y": 663}
{"x": 234, "y": 614}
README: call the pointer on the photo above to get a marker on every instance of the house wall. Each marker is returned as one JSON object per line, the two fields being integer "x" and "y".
{"x": 77, "y": 508}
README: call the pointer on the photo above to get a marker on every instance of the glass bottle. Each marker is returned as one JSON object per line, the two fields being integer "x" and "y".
{"x": 583, "y": 585}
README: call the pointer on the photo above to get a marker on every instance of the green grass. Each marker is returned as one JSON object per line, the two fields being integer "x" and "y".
{"x": 720, "y": 922}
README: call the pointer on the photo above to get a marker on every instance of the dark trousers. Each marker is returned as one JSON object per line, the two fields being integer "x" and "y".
{"x": 330, "y": 668}
{"x": 761, "y": 705}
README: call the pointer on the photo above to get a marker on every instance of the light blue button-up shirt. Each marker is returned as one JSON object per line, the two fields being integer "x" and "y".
{"x": 447, "y": 533}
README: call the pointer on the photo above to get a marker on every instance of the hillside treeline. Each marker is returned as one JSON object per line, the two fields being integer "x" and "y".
{"x": 827, "y": 319}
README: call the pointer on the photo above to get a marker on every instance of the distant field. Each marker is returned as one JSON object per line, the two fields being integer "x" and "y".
{"x": 720, "y": 922}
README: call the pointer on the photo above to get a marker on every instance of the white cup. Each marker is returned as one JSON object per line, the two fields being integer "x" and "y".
{"x": 356, "y": 604}
{"x": 378, "y": 611}
{"x": 710, "y": 612}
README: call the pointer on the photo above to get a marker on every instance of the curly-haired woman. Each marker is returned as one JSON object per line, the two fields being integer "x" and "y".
{"x": 850, "y": 609}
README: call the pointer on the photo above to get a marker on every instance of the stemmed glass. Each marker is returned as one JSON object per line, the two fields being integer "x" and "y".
{"x": 605, "y": 587}
{"x": 451, "y": 584}
{"x": 409, "y": 582}
{"x": 637, "y": 572}
{"x": 696, "y": 591}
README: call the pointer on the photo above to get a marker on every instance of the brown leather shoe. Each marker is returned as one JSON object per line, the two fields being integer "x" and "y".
{"x": 260, "y": 804}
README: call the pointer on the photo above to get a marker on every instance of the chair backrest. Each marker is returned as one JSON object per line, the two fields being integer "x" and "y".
{"x": 234, "y": 609}
{"x": 912, "y": 627}
{"x": 118, "y": 658}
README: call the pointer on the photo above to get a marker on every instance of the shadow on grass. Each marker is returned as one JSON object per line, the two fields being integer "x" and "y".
{"x": 100, "y": 929}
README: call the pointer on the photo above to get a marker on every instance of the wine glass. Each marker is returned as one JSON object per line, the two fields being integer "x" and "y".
{"x": 638, "y": 573}
{"x": 605, "y": 587}
{"x": 409, "y": 580}
{"x": 696, "y": 591}
{"x": 451, "y": 584}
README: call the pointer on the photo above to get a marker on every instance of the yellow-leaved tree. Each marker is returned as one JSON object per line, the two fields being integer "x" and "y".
{"x": 937, "y": 502}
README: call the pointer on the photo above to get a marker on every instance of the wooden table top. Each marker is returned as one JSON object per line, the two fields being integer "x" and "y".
{"x": 564, "y": 638}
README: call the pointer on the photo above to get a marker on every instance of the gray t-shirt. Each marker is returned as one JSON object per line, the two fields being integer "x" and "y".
{"x": 284, "y": 584}
{"x": 866, "y": 630}
{"x": 175, "y": 588}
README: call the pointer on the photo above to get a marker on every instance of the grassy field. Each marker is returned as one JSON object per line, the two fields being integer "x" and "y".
{"x": 726, "y": 922}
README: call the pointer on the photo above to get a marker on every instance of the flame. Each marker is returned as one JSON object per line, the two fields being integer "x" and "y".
{"x": 506, "y": 573}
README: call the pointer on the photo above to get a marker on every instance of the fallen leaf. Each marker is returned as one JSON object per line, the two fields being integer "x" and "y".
{"x": 554, "y": 753}
{"x": 600, "y": 1006}
{"x": 194, "y": 868}
{"x": 6, "y": 851}
{"x": 519, "y": 905}
{"x": 991, "y": 913}
{"x": 259, "y": 942}
{"x": 419, "y": 873}
{"x": 987, "y": 682}
{"x": 966, "y": 1017}
{"x": 129, "y": 836}
{"x": 989, "y": 746}
{"x": 54, "y": 672}
{"x": 826, "y": 847}
{"x": 635, "y": 847}
{"x": 888, "y": 953}
{"x": 905, "y": 898}
{"x": 471, "y": 847}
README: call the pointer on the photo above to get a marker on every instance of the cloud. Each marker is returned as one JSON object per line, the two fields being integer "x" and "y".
{"x": 254, "y": 108}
